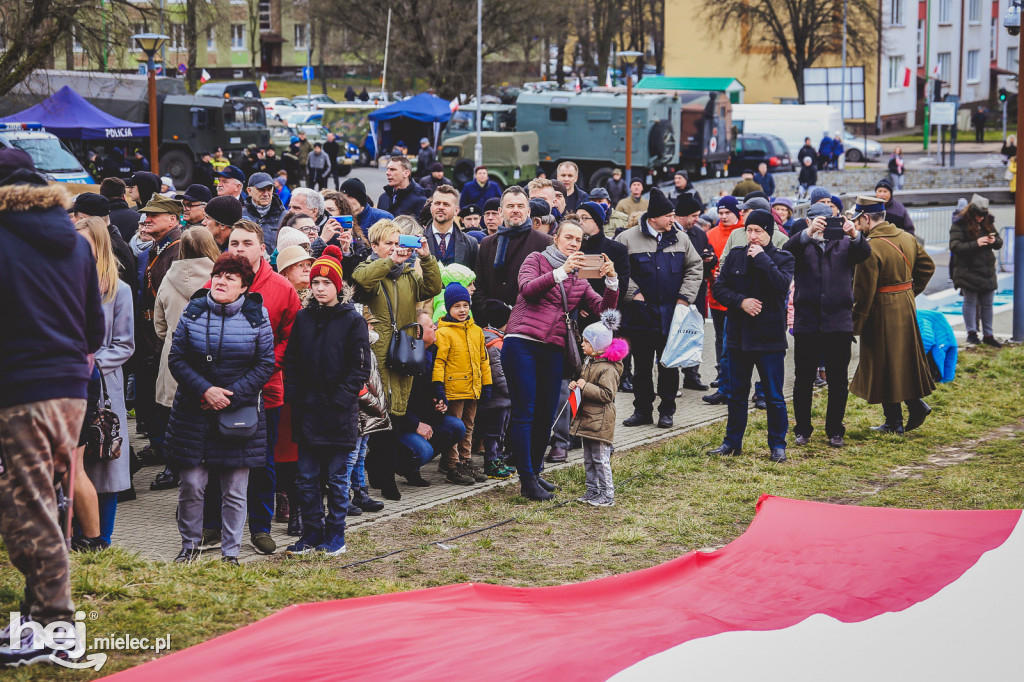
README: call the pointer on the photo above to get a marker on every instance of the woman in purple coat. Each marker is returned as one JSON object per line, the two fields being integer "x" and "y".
{"x": 534, "y": 348}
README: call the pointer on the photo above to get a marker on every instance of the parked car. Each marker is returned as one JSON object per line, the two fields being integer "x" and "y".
{"x": 278, "y": 107}
{"x": 229, "y": 89}
{"x": 753, "y": 148}
{"x": 303, "y": 116}
{"x": 855, "y": 148}
{"x": 311, "y": 101}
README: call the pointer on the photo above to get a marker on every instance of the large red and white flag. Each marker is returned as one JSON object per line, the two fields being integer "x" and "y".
{"x": 263, "y": 83}
{"x": 204, "y": 76}
{"x": 453, "y": 106}
{"x": 811, "y": 591}
{"x": 575, "y": 398}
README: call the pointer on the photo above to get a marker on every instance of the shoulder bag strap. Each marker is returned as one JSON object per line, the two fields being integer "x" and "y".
{"x": 906, "y": 260}
{"x": 391, "y": 313}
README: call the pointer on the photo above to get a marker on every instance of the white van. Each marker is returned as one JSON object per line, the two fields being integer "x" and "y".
{"x": 48, "y": 153}
{"x": 791, "y": 122}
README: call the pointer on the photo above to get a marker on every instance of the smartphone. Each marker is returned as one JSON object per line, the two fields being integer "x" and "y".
{"x": 344, "y": 220}
{"x": 591, "y": 266}
{"x": 834, "y": 228}
{"x": 408, "y": 241}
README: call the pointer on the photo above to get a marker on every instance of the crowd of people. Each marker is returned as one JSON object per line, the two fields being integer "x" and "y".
{"x": 283, "y": 345}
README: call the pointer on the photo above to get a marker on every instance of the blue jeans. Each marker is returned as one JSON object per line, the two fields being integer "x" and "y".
{"x": 357, "y": 463}
{"x": 446, "y": 434}
{"x": 771, "y": 366}
{"x": 332, "y": 464}
{"x": 534, "y": 374}
{"x": 262, "y": 486}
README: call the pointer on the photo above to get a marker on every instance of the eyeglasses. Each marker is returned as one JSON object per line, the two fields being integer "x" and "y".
{"x": 192, "y": 204}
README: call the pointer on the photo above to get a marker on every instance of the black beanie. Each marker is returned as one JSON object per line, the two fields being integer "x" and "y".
{"x": 762, "y": 219}
{"x": 595, "y": 210}
{"x": 659, "y": 205}
{"x": 886, "y": 183}
{"x": 687, "y": 204}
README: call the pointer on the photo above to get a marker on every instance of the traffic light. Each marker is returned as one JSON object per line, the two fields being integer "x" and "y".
{"x": 1002, "y": 94}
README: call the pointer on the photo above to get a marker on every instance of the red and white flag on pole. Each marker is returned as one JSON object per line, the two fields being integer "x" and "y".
{"x": 263, "y": 83}
{"x": 204, "y": 76}
{"x": 906, "y": 76}
{"x": 454, "y": 105}
{"x": 575, "y": 398}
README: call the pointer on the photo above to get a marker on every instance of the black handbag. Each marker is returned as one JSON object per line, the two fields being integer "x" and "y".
{"x": 103, "y": 433}
{"x": 239, "y": 422}
{"x": 572, "y": 365}
{"x": 407, "y": 355}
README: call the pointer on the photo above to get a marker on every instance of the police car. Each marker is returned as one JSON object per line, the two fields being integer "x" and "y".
{"x": 50, "y": 155}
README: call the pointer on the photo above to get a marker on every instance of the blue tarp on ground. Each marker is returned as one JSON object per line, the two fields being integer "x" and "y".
{"x": 68, "y": 115}
{"x": 424, "y": 107}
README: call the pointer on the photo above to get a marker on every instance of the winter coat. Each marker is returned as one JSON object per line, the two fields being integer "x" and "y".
{"x": 617, "y": 190}
{"x": 896, "y": 165}
{"x": 49, "y": 296}
{"x": 595, "y": 419}
{"x": 372, "y": 278}
{"x": 939, "y": 343}
{"x": 318, "y": 165}
{"x": 576, "y": 199}
{"x": 765, "y": 277}
{"x": 327, "y": 362}
{"x": 494, "y": 339}
{"x": 305, "y": 148}
{"x": 718, "y": 237}
{"x": 429, "y": 184}
{"x": 370, "y": 216}
{"x": 118, "y": 345}
{"x": 425, "y": 158}
{"x": 185, "y": 278}
{"x": 373, "y": 403}
{"x": 126, "y": 219}
{"x": 539, "y": 312}
{"x": 616, "y": 251}
{"x": 807, "y": 150}
{"x": 474, "y": 194}
{"x": 154, "y": 265}
{"x": 408, "y": 201}
{"x": 282, "y": 303}
{"x": 767, "y": 183}
{"x": 239, "y": 338}
{"x": 745, "y": 187}
{"x": 333, "y": 151}
{"x": 825, "y": 149}
{"x": 461, "y": 248}
{"x": 629, "y": 205}
{"x": 896, "y": 214}
{"x": 974, "y": 268}
{"x": 502, "y": 282}
{"x": 663, "y": 271}
{"x": 269, "y": 221}
{"x": 617, "y": 222}
{"x": 892, "y": 365}
{"x": 808, "y": 176}
{"x": 461, "y": 363}
{"x": 129, "y": 266}
{"x": 823, "y": 297}
{"x": 699, "y": 239}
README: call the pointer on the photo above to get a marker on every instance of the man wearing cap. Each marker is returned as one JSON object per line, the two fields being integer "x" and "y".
{"x": 895, "y": 212}
{"x": 161, "y": 229}
{"x": 753, "y": 284}
{"x": 568, "y": 174}
{"x": 558, "y": 208}
{"x": 635, "y": 202}
{"x": 746, "y": 185}
{"x": 435, "y": 178}
{"x": 262, "y": 206}
{"x": 480, "y": 189}
{"x": 193, "y": 203}
{"x": 447, "y": 244}
{"x": 402, "y": 195}
{"x": 754, "y": 203}
{"x": 51, "y": 302}
{"x": 681, "y": 185}
{"x": 893, "y": 367}
{"x": 664, "y": 271}
{"x": 89, "y": 204}
{"x": 729, "y": 221}
{"x": 541, "y": 215}
{"x": 221, "y": 215}
{"x": 470, "y": 217}
{"x": 492, "y": 216}
{"x": 230, "y": 182}
{"x": 823, "y": 321}
{"x": 425, "y": 158}
{"x": 203, "y": 172}
{"x": 687, "y": 212}
{"x": 365, "y": 215}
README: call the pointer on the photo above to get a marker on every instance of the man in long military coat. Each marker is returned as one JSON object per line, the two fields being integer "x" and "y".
{"x": 893, "y": 368}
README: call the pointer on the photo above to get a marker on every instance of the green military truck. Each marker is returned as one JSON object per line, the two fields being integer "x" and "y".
{"x": 187, "y": 124}
{"x": 510, "y": 157}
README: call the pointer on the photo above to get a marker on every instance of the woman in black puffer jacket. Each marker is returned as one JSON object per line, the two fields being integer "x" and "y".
{"x": 221, "y": 355}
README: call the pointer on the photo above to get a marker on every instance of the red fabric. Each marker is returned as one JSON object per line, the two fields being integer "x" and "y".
{"x": 286, "y": 449}
{"x": 796, "y": 559}
{"x": 718, "y": 237}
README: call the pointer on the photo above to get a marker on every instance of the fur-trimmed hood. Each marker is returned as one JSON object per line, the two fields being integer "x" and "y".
{"x": 37, "y": 214}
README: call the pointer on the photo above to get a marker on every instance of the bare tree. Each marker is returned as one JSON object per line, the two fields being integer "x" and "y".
{"x": 253, "y": 17}
{"x": 798, "y": 33}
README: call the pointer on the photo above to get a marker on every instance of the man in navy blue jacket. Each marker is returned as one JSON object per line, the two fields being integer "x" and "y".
{"x": 402, "y": 195}
{"x": 753, "y": 284}
{"x": 50, "y": 300}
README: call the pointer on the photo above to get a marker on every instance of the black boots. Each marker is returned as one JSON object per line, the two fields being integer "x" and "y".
{"x": 532, "y": 490}
{"x": 893, "y": 419}
{"x": 917, "y": 411}
{"x": 361, "y": 498}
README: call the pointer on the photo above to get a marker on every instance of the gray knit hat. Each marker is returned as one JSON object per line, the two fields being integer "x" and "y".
{"x": 601, "y": 333}
{"x": 818, "y": 193}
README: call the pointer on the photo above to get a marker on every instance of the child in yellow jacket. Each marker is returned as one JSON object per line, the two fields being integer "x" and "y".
{"x": 461, "y": 377}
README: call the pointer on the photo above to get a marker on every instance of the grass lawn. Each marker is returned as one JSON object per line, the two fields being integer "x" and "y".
{"x": 991, "y": 135}
{"x": 671, "y": 499}
{"x": 335, "y": 87}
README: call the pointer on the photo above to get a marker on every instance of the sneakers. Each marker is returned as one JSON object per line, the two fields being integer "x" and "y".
{"x": 361, "y": 498}
{"x": 602, "y": 500}
{"x": 263, "y": 543}
{"x": 588, "y": 496}
{"x": 458, "y": 475}
{"x": 310, "y": 540}
{"x": 232, "y": 560}
{"x": 476, "y": 472}
{"x": 84, "y": 544}
{"x": 334, "y": 546}
{"x": 972, "y": 338}
{"x": 186, "y": 556}
{"x": 211, "y": 539}
{"x": 497, "y": 471}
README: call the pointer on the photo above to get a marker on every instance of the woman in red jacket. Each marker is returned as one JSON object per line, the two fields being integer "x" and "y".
{"x": 534, "y": 347}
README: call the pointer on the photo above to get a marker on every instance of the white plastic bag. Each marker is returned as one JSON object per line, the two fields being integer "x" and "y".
{"x": 685, "y": 345}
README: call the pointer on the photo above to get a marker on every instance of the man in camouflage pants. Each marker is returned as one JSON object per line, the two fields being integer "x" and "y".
{"x": 53, "y": 323}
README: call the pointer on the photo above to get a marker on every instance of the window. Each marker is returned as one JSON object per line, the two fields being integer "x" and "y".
{"x": 177, "y": 37}
{"x": 138, "y": 28}
{"x": 76, "y": 43}
{"x": 264, "y": 10}
{"x": 920, "y": 42}
{"x": 896, "y": 12}
{"x": 896, "y": 72}
{"x": 237, "y": 36}
{"x": 945, "y": 11}
{"x": 973, "y": 60}
{"x": 1011, "y": 58}
{"x": 211, "y": 40}
{"x": 945, "y": 61}
{"x": 974, "y": 11}
{"x": 558, "y": 115}
{"x": 301, "y": 38}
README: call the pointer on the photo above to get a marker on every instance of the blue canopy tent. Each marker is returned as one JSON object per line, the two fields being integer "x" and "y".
{"x": 423, "y": 108}
{"x": 68, "y": 115}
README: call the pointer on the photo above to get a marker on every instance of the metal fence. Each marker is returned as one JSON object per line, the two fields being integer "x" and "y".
{"x": 932, "y": 224}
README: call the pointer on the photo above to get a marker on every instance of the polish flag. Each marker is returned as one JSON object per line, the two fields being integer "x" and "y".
{"x": 906, "y": 76}
{"x": 810, "y": 592}
{"x": 263, "y": 83}
{"x": 454, "y": 105}
{"x": 575, "y": 398}
{"x": 608, "y": 78}
{"x": 204, "y": 76}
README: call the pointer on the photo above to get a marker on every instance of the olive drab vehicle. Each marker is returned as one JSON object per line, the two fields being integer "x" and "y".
{"x": 187, "y": 124}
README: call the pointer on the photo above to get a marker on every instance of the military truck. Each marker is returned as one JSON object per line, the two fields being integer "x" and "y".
{"x": 497, "y": 118}
{"x": 350, "y": 121}
{"x": 589, "y": 129}
{"x": 510, "y": 157}
{"x": 187, "y": 124}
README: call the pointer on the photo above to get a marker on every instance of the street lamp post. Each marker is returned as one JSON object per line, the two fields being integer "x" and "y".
{"x": 150, "y": 43}
{"x": 629, "y": 58}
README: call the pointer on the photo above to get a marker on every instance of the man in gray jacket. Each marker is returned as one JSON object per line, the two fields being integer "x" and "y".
{"x": 665, "y": 270}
